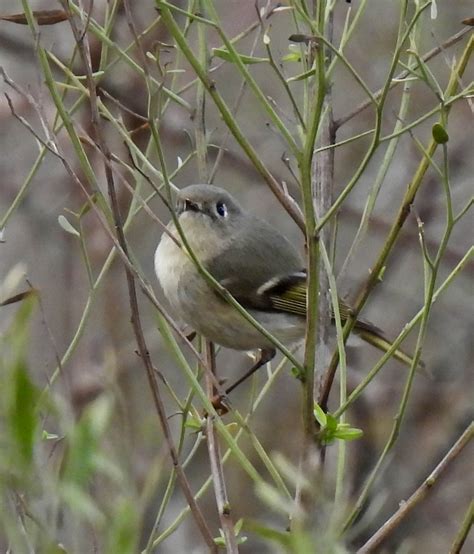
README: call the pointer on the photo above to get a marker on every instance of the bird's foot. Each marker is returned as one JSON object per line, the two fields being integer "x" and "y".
{"x": 220, "y": 403}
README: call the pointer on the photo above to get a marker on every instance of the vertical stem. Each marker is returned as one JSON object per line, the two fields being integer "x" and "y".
{"x": 322, "y": 184}
{"x": 215, "y": 457}
{"x": 84, "y": 50}
{"x": 308, "y": 188}
{"x": 200, "y": 114}
{"x": 397, "y": 225}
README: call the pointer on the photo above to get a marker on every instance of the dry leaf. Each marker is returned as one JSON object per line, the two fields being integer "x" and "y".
{"x": 469, "y": 21}
{"x": 43, "y": 17}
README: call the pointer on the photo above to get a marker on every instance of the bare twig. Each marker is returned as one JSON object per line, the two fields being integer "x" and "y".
{"x": 323, "y": 186}
{"x": 234, "y": 109}
{"x": 420, "y": 494}
{"x": 399, "y": 78}
{"x": 216, "y": 463}
{"x": 463, "y": 532}
{"x": 397, "y": 225}
{"x": 52, "y": 146}
{"x": 215, "y": 458}
{"x": 83, "y": 47}
{"x": 226, "y": 113}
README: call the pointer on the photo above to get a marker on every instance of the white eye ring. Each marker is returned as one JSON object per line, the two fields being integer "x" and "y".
{"x": 221, "y": 209}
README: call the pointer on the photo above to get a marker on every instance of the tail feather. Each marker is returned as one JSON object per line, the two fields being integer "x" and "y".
{"x": 379, "y": 341}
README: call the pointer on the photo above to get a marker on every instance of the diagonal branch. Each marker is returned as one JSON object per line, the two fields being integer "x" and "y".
{"x": 83, "y": 47}
{"x": 420, "y": 494}
{"x": 401, "y": 76}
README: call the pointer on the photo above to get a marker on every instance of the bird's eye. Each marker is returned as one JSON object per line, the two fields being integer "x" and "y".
{"x": 221, "y": 209}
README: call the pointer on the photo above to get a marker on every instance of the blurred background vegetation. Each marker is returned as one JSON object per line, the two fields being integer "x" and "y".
{"x": 85, "y": 464}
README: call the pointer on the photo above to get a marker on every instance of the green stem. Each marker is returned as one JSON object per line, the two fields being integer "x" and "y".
{"x": 406, "y": 330}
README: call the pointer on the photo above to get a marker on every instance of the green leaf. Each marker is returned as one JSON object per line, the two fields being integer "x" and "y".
{"x": 23, "y": 416}
{"x": 320, "y": 415}
{"x": 298, "y": 374}
{"x": 79, "y": 501}
{"x": 49, "y": 436}
{"x": 292, "y": 57}
{"x": 83, "y": 456}
{"x": 350, "y": 434}
{"x": 332, "y": 429}
{"x": 238, "y": 526}
{"x": 124, "y": 532}
{"x": 302, "y": 76}
{"x": 331, "y": 424}
{"x": 440, "y": 134}
{"x": 224, "y": 54}
{"x": 194, "y": 423}
{"x": 269, "y": 534}
{"x": 64, "y": 223}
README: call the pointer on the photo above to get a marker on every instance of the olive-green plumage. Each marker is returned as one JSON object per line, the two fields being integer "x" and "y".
{"x": 253, "y": 261}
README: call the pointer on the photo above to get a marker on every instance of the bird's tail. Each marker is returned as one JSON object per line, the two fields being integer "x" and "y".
{"x": 376, "y": 338}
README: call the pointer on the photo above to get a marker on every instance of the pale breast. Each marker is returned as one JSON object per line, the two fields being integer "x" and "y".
{"x": 170, "y": 262}
{"x": 198, "y": 305}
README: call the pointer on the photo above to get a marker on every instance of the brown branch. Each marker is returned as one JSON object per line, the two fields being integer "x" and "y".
{"x": 397, "y": 79}
{"x": 394, "y": 233}
{"x": 215, "y": 459}
{"x": 322, "y": 184}
{"x": 84, "y": 50}
{"x": 420, "y": 494}
{"x": 276, "y": 187}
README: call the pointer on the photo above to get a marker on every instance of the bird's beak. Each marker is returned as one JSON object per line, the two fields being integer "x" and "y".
{"x": 187, "y": 206}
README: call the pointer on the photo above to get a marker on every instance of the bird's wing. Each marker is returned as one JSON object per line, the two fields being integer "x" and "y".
{"x": 246, "y": 266}
{"x": 288, "y": 294}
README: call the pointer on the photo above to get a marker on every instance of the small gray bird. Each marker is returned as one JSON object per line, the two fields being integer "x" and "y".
{"x": 254, "y": 262}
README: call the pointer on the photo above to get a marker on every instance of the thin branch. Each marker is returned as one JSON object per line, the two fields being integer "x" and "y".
{"x": 229, "y": 120}
{"x": 399, "y": 78}
{"x": 234, "y": 110}
{"x": 420, "y": 494}
{"x": 215, "y": 458}
{"x": 396, "y": 227}
{"x": 323, "y": 190}
{"x": 216, "y": 463}
{"x": 463, "y": 532}
{"x": 83, "y": 47}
